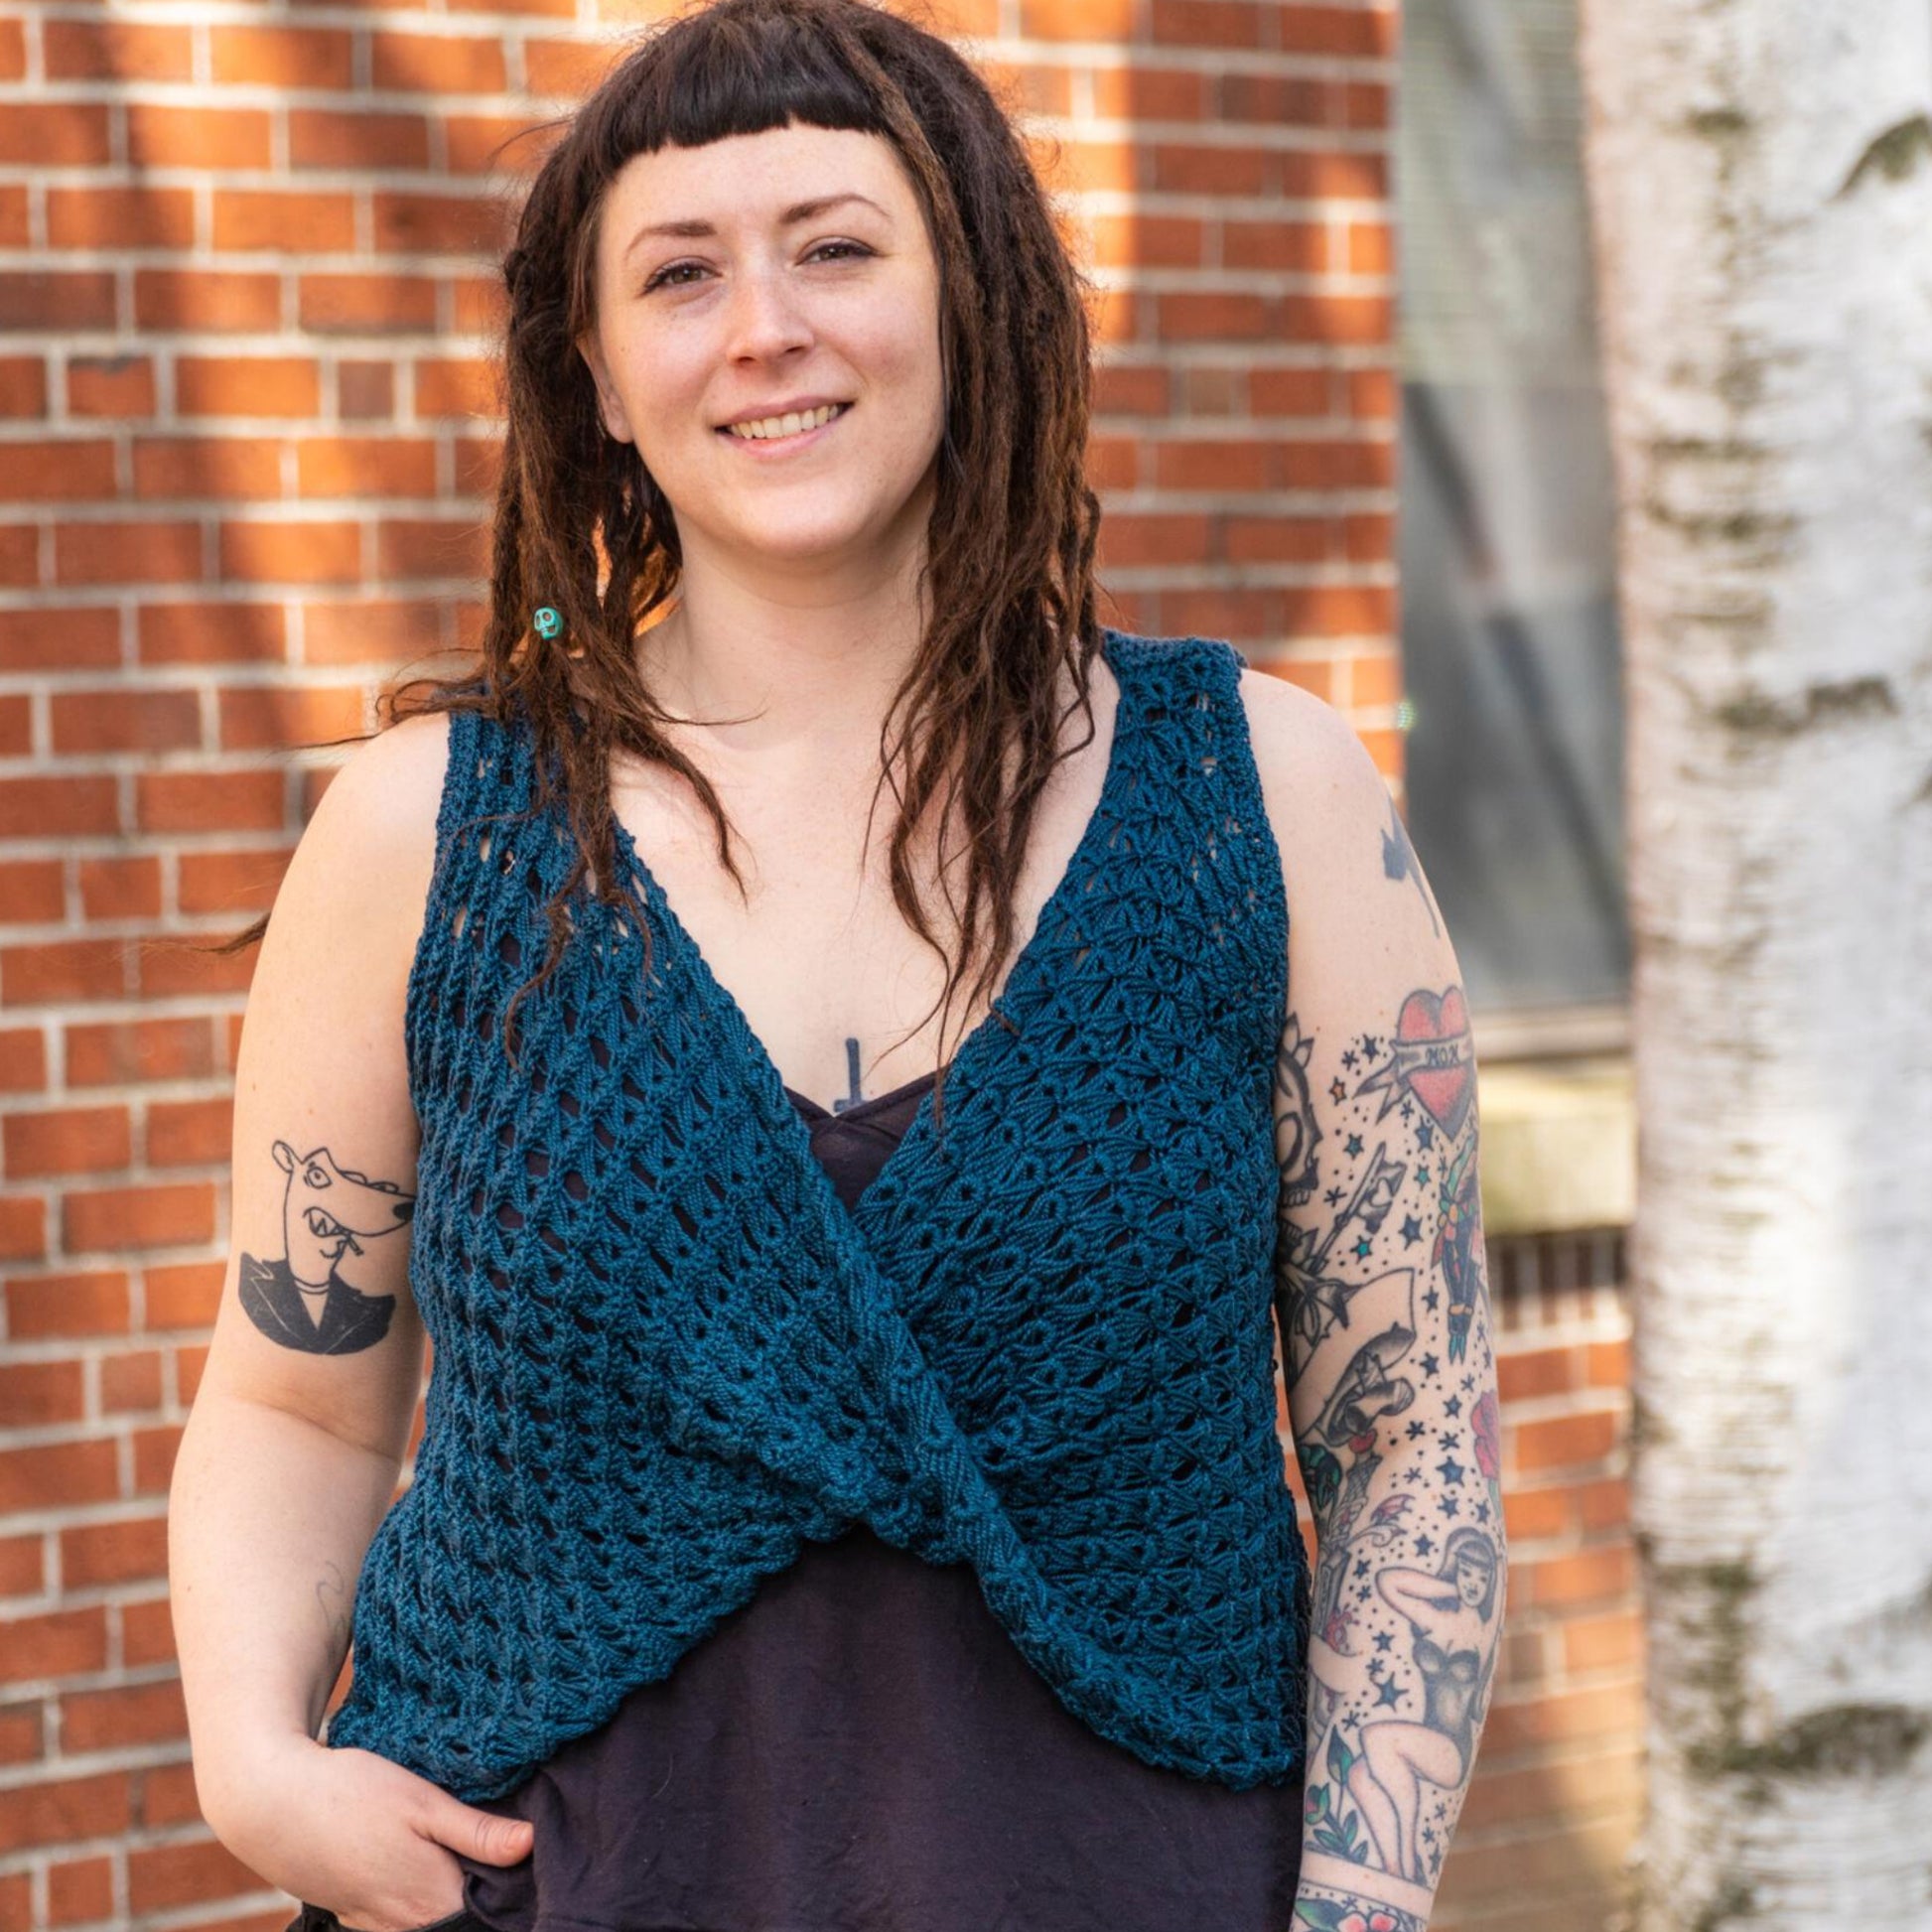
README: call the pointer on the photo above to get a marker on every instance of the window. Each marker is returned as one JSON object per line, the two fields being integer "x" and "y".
{"x": 1506, "y": 545}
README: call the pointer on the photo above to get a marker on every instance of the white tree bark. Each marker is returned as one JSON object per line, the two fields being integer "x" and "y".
{"x": 1760, "y": 186}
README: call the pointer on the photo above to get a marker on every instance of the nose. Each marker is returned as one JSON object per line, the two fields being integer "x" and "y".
{"x": 765, "y": 315}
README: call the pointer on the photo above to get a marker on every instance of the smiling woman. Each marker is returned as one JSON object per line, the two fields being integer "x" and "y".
{"x": 851, "y": 1492}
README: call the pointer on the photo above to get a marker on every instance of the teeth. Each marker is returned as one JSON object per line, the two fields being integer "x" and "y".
{"x": 771, "y": 426}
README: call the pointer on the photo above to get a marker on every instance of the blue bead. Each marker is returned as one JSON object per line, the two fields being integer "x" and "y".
{"x": 548, "y": 623}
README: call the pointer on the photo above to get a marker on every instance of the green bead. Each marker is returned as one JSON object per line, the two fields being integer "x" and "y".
{"x": 548, "y": 623}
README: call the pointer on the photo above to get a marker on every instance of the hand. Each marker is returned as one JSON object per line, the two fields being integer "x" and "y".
{"x": 363, "y": 1837}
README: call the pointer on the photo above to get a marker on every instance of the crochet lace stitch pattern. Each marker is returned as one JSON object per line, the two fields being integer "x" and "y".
{"x": 666, "y": 1354}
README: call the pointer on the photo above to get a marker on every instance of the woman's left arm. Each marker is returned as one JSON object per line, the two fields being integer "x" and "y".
{"x": 1385, "y": 1328}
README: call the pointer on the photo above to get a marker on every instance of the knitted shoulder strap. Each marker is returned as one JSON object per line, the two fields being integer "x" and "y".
{"x": 484, "y": 778}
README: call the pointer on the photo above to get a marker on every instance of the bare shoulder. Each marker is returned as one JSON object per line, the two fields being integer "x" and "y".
{"x": 368, "y": 850}
{"x": 1316, "y": 775}
{"x": 1356, "y": 890}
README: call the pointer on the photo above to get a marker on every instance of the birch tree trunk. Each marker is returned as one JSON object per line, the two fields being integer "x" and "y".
{"x": 1760, "y": 184}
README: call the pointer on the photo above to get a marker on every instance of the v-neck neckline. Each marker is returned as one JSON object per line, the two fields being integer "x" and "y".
{"x": 790, "y": 1127}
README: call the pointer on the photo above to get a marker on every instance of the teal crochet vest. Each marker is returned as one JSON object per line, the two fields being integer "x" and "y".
{"x": 666, "y": 1354}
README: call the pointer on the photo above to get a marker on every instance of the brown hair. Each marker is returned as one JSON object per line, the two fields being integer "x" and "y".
{"x": 581, "y": 525}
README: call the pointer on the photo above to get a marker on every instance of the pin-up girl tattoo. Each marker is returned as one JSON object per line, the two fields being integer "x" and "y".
{"x": 328, "y": 1211}
{"x": 1454, "y": 1628}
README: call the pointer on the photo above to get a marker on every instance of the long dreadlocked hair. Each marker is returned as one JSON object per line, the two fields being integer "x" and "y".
{"x": 581, "y": 525}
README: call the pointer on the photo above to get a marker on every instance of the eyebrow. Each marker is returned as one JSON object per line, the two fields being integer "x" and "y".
{"x": 790, "y": 218}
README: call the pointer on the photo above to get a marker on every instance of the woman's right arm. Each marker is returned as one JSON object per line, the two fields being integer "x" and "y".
{"x": 303, "y": 1416}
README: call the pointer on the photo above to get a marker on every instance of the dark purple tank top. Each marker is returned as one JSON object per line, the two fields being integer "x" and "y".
{"x": 860, "y": 1747}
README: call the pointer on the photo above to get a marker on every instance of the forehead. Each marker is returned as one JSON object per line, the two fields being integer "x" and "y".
{"x": 747, "y": 181}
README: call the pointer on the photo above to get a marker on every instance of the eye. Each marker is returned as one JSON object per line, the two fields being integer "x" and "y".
{"x": 663, "y": 277}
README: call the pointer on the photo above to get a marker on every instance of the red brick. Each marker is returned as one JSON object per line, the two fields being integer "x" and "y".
{"x": 177, "y": 967}
{"x": 116, "y": 50}
{"x": 419, "y": 547}
{"x": 23, "y": 1060}
{"x": 50, "y": 301}
{"x": 1524, "y": 1373}
{"x": 37, "y": 1395}
{"x": 134, "y": 1549}
{"x": 23, "y": 1227}
{"x": 365, "y": 391}
{"x": 51, "y": 808}
{"x": 1607, "y": 1363}
{"x": 154, "y": 1452}
{"x": 68, "y": 133}
{"x": 126, "y": 721}
{"x": 1583, "y": 1576}
{"x": 1606, "y": 1503}
{"x": 280, "y": 57}
{"x": 139, "y": 216}
{"x": 120, "y": 387}
{"x": 160, "y": 1215}
{"x": 247, "y": 385}
{"x": 23, "y": 1572}
{"x": 258, "y": 717}
{"x": 48, "y": 1308}
{"x": 1079, "y": 20}
{"x": 448, "y": 387}
{"x": 184, "y": 1294}
{"x": 1205, "y": 23}
{"x": 168, "y": 468}
{"x": 265, "y": 552}
{"x": 1595, "y": 1643}
{"x": 52, "y": 1475}
{"x": 75, "y": 637}
{"x": 315, "y": 221}
{"x": 23, "y": 385}
{"x": 189, "y": 1133}
{"x": 481, "y": 143}
{"x": 126, "y": 1053}
{"x": 207, "y": 300}
{"x": 64, "y": 969}
{"x": 33, "y": 891}
{"x": 213, "y": 633}
{"x": 80, "y": 1890}
{"x": 65, "y": 1140}
{"x": 451, "y": 63}
{"x": 65, "y": 470}
{"x": 130, "y": 1384}
{"x": 19, "y": 554}
{"x": 421, "y": 222}
{"x": 1604, "y": 1711}
{"x": 120, "y": 887}
{"x": 1563, "y": 1442}
{"x": 201, "y": 136}
{"x": 148, "y": 1637}
{"x": 479, "y": 304}
{"x": 321, "y": 137}
{"x": 209, "y": 801}
{"x": 363, "y": 304}
{"x": 231, "y": 883}
{"x": 371, "y": 632}
{"x": 1353, "y": 31}
{"x": 50, "y": 1643}
{"x": 479, "y": 467}
{"x": 129, "y": 1715}
{"x": 159, "y": 552}
{"x": 564, "y": 68}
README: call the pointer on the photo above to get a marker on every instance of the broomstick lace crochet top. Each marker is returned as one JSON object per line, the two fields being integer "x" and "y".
{"x": 667, "y": 1355}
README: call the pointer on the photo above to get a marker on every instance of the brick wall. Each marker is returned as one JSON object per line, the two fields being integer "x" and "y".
{"x": 247, "y": 425}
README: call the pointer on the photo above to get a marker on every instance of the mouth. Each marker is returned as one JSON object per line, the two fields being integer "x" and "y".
{"x": 782, "y": 445}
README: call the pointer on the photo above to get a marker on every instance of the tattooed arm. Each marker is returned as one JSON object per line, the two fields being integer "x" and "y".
{"x": 1385, "y": 1329}
{"x": 303, "y": 1409}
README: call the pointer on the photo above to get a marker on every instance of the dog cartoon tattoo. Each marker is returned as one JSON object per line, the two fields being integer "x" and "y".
{"x": 327, "y": 1210}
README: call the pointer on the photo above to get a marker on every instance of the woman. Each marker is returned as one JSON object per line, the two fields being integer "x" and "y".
{"x": 850, "y": 1494}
